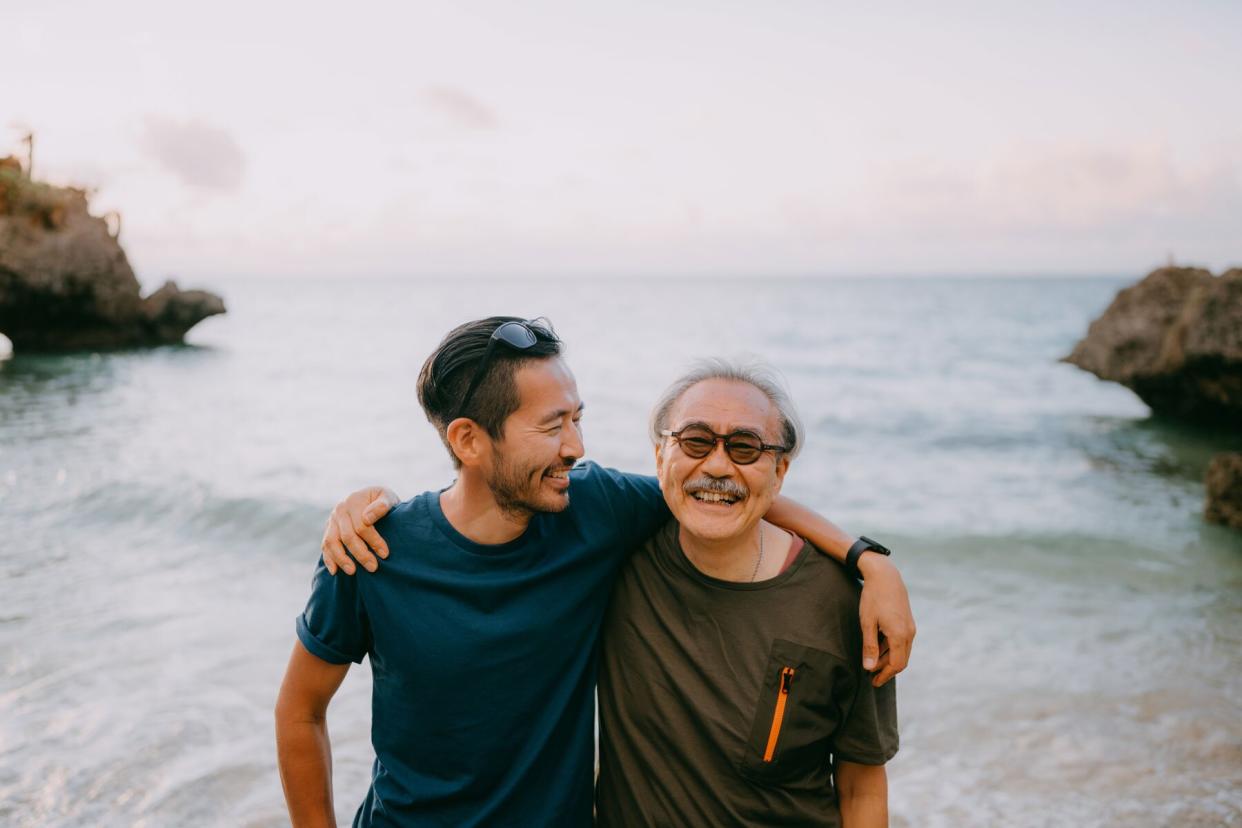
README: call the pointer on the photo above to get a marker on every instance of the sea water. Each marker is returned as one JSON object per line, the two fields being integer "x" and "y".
{"x": 1078, "y": 660}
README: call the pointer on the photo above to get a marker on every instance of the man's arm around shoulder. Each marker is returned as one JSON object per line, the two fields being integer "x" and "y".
{"x": 885, "y": 606}
{"x": 302, "y": 747}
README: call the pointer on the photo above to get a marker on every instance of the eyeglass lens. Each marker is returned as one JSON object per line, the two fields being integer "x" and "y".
{"x": 741, "y": 446}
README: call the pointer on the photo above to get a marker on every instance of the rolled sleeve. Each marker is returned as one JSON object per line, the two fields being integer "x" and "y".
{"x": 869, "y": 733}
{"x": 334, "y": 626}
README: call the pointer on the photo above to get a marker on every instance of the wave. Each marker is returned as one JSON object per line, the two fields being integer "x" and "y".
{"x": 197, "y": 513}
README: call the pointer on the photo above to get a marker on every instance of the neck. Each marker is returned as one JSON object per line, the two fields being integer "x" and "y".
{"x": 472, "y": 510}
{"x": 732, "y": 558}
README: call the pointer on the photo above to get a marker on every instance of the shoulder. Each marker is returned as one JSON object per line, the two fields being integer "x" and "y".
{"x": 834, "y": 589}
{"x": 815, "y": 605}
{"x": 665, "y": 541}
{"x": 416, "y": 532}
{"x": 830, "y": 575}
{"x": 591, "y": 476}
{"x": 407, "y": 516}
{"x": 590, "y": 471}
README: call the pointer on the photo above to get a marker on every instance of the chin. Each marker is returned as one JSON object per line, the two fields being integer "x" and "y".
{"x": 542, "y": 500}
{"x": 709, "y": 527}
{"x": 556, "y": 503}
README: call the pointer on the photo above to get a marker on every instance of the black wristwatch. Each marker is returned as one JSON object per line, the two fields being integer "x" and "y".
{"x": 863, "y": 544}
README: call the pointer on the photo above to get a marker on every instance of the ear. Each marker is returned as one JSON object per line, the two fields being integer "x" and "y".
{"x": 782, "y": 466}
{"x": 659, "y": 458}
{"x": 468, "y": 440}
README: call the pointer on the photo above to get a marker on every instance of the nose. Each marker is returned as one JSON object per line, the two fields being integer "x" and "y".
{"x": 571, "y": 443}
{"x": 717, "y": 464}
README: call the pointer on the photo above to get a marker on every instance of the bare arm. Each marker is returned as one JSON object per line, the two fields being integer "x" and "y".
{"x": 884, "y": 610}
{"x": 302, "y": 747}
{"x": 863, "y": 794}
{"x": 829, "y": 538}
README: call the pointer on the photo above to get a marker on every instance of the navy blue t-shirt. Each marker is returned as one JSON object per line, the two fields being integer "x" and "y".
{"x": 484, "y": 657}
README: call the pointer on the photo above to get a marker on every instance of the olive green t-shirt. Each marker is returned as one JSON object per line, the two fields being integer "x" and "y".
{"x": 724, "y": 703}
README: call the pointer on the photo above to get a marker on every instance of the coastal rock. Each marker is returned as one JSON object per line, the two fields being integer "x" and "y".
{"x": 65, "y": 282}
{"x": 1224, "y": 490}
{"x": 1175, "y": 339}
{"x": 169, "y": 312}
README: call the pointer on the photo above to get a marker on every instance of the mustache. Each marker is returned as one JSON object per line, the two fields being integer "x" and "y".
{"x": 717, "y": 485}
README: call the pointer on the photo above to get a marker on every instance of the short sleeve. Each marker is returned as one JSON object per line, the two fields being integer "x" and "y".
{"x": 868, "y": 736}
{"x": 637, "y": 502}
{"x": 334, "y": 626}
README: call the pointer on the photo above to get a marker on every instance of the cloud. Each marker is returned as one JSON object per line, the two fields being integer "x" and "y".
{"x": 1056, "y": 189}
{"x": 1082, "y": 187}
{"x": 202, "y": 156}
{"x": 461, "y": 108}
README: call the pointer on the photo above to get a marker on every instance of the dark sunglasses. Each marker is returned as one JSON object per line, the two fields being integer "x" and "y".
{"x": 519, "y": 336}
{"x": 743, "y": 447}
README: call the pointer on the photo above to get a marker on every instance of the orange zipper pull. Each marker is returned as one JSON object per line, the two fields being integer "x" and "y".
{"x": 778, "y": 715}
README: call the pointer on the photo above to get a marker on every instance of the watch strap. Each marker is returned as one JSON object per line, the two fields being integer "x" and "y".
{"x": 863, "y": 544}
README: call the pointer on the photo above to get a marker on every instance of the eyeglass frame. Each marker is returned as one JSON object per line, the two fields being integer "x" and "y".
{"x": 527, "y": 325}
{"x": 723, "y": 438}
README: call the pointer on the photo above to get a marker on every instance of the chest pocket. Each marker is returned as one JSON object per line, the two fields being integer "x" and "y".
{"x": 805, "y": 696}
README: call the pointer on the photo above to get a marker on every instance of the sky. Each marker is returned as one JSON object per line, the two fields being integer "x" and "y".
{"x": 638, "y": 138}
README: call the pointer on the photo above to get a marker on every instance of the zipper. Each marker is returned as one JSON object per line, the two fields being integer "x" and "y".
{"x": 778, "y": 715}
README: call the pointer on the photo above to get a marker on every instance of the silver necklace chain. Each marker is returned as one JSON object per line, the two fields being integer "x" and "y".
{"x": 758, "y": 560}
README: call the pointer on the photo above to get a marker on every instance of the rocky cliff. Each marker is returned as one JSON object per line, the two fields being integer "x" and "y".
{"x": 65, "y": 282}
{"x": 1175, "y": 339}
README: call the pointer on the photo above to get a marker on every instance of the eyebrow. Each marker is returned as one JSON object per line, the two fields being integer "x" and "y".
{"x": 560, "y": 413}
{"x": 749, "y": 429}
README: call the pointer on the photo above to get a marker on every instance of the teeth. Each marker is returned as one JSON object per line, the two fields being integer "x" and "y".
{"x": 713, "y": 497}
{"x": 559, "y": 475}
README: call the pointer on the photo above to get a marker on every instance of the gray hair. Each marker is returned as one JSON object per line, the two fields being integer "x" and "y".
{"x": 752, "y": 372}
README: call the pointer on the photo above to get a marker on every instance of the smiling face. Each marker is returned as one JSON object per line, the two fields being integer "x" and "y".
{"x": 713, "y": 497}
{"x": 529, "y": 467}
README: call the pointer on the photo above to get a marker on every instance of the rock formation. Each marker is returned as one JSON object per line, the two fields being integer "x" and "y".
{"x": 1224, "y": 490}
{"x": 1175, "y": 339}
{"x": 65, "y": 282}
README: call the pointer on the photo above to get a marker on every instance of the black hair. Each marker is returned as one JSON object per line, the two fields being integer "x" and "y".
{"x": 448, "y": 372}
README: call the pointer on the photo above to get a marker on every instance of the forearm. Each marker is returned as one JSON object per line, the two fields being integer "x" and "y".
{"x": 829, "y": 538}
{"x": 823, "y": 534}
{"x": 304, "y": 754}
{"x": 864, "y": 811}
{"x": 862, "y": 792}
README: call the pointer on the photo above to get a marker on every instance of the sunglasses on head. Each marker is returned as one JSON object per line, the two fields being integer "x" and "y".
{"x": 743, "y": 447}
{"x": 518, "y": 336}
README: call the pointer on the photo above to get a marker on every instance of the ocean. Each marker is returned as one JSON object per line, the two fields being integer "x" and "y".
{"x": 1079, "y": 656}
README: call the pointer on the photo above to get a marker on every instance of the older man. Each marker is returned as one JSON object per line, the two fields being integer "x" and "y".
{"x": 731, "y": 691}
